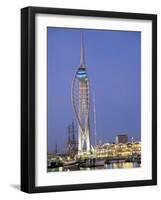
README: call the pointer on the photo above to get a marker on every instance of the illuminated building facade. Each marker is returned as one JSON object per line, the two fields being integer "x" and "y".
{"x": 109, "y": 150}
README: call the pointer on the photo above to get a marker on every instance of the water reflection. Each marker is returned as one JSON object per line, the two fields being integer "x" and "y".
{"x": 123, "y": 165}
{"x": 119, "y": 165}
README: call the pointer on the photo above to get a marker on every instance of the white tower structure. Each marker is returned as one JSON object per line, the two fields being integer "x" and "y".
{"x": 95, "y": 125}
{"x": 81, "y": 104}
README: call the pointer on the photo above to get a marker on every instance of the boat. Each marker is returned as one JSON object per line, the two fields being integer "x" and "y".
{"x": 55, "y": 164}
{"x": 70, "y": 162}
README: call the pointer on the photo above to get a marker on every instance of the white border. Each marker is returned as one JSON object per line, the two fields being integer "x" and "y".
{"x": 61, "y": 178}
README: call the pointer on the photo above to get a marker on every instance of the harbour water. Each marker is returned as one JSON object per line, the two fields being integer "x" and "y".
{"x": 118, "y": 165}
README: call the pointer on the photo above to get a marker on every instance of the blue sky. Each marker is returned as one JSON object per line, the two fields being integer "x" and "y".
{"x": 113, "y": 60}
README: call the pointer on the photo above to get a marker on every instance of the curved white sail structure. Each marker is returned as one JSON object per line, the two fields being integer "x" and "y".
{"x": 81, "y": 104}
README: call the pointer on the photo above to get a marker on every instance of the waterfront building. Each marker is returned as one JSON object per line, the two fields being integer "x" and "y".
{"x": 123, "y": 138}
{"x": 81, "y": 103}
{"x": 110, "y": 150}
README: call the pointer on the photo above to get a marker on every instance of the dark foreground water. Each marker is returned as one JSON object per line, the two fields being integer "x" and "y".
{"x": 120, "y": 165}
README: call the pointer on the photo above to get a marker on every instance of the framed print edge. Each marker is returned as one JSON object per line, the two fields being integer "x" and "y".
{"x": 28, "y": 99}
{"x": 154, "y": 99}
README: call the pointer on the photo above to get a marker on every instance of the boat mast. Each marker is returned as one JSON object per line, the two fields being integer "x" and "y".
{"x": 95, "y": 127}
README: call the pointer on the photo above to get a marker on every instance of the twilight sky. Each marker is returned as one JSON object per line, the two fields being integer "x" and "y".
{"x": 113, "y": 60}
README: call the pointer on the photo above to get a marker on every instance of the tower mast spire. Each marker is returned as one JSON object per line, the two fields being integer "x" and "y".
{"x": 82, "y": 53}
